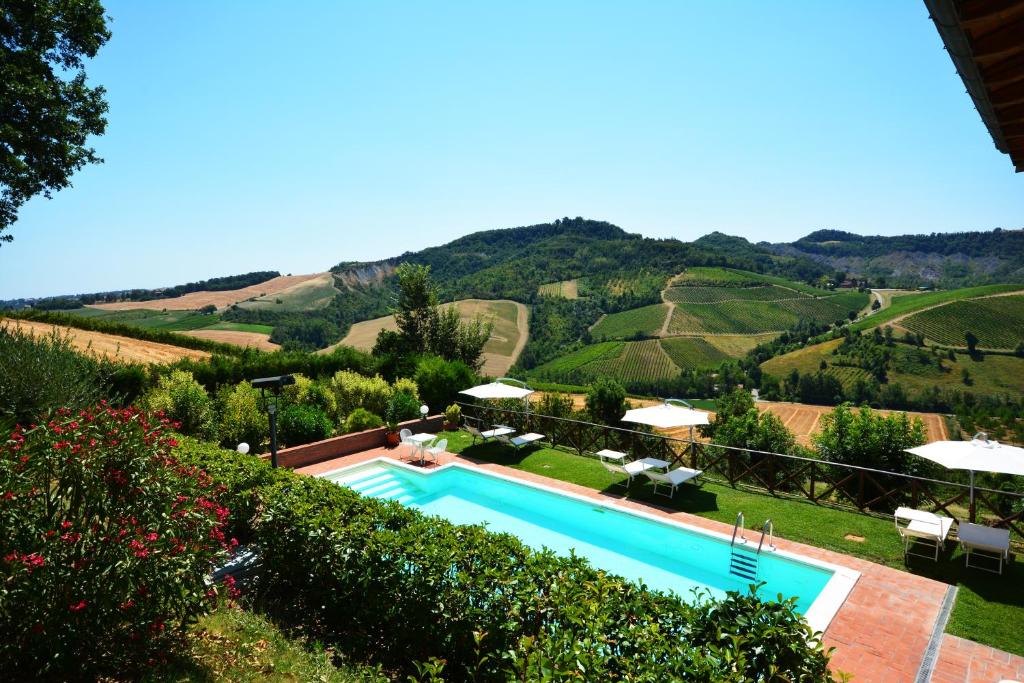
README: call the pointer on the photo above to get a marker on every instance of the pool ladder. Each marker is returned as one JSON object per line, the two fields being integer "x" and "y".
{"x": 743, "y": 560}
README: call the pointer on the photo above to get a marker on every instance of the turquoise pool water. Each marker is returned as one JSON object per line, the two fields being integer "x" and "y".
{"x": 662, "y": 555}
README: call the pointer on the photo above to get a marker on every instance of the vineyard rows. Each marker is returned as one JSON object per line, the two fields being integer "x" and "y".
{"x": 711, "y": 295}
{"x": 692, "y": 353}
{"x": 751, "y": 317}
{"x": 997, "y": 322}
{"x": 646, "y": 320}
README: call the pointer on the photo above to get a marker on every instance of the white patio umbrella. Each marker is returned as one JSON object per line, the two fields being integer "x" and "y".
{"x": 667, "y": 416}
{"x": 977, "y": 455}
{"x": 498, "y": 389}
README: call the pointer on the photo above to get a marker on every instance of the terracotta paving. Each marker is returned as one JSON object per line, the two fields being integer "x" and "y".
{"x": 879, "y": 634}
{"x": 962, "y": 661}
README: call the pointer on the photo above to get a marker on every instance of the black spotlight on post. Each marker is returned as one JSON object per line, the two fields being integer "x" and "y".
{"x": 274, "y": 385}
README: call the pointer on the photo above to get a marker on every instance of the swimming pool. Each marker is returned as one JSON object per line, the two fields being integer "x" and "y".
{"x": 664, "y": 554}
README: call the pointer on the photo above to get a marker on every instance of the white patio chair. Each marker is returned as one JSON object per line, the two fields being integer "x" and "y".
{"x": 919, "y": 526}
{"x": 436, "y": 450}
{"x": 672, "y": 478}
{"x": 994, "y": 543}
{"x": 410, "y": 446}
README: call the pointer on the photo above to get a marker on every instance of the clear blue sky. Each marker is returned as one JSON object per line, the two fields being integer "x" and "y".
{"x": 290, "y": 136}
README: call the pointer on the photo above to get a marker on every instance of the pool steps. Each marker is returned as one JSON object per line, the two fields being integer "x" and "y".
{"x": 378, "y": 482}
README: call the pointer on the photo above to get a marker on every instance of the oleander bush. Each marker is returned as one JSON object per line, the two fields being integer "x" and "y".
{"x": 105, "y": 540}
{"x": 415, "y": 593}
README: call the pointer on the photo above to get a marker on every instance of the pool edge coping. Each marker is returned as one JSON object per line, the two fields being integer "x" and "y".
{"x": 819, "y": 614}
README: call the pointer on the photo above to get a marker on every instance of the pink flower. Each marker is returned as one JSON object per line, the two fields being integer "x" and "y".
{"x": 78, "y": 606}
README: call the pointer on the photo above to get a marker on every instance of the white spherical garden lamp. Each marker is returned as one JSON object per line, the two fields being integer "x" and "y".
{"x": 423, "y": 411}
{"x": 243, "y": 448}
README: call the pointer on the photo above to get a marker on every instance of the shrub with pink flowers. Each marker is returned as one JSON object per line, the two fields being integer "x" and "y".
{"x": 105, "y": 543}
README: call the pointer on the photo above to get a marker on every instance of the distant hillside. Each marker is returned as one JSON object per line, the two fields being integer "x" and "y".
{"x": 214, "y": 284}
{"x": 956, "y": 259}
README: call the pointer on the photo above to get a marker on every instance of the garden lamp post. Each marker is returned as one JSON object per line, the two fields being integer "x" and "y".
{"x": 274, "y": 386}
{"x": 423, "y": 412}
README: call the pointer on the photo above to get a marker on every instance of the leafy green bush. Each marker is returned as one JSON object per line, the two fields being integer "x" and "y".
{"x": 297, "y": 424}
{"x": 453, "y": 414}
{"x": 362, "y": 419}
{"x": 353, "y": 390}
{"x": 105, "y": 539}
{"x": 310, "y": 392}
{"x": 184, "y": 401}
{"x": 401, "y": 407}
{"x": 440, "y": 381}
{"x": 408, "y": 386}
{"x": 242, "y": 419}
{"x": 42, "y": 373}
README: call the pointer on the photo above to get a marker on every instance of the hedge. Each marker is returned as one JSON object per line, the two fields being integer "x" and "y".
{"x": 389, "y": 584}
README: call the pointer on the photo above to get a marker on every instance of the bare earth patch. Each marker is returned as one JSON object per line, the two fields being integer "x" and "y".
{"x": 113, "y": 346}
{"x": 196, "y": 300}
{"x": 256, "y": 340}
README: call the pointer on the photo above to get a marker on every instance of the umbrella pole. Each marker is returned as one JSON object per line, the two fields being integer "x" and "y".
{"x": 971, "y": 508}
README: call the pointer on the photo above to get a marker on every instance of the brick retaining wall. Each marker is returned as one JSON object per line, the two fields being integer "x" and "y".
{"x": 346, "y": 444}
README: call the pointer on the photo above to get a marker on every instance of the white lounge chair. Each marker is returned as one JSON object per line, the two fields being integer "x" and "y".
{"x": 630, "y": 469}
{"x": 436, "y": 449}
{"x": 672, "y": 478}
{"x": 518, "y": 442}
{"x": 920, "y": 526}
{"x": 995, "y": 543}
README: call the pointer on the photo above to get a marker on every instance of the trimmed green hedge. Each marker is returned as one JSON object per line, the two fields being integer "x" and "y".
{"x": 387, "y": 583}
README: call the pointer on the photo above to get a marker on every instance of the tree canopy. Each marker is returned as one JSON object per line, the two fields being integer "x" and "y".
{"x": 47, "y": 111}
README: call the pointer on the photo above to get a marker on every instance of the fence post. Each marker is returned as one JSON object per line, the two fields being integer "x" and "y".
{"x": 860, "y": 489}
{"x": 814, "y": 472}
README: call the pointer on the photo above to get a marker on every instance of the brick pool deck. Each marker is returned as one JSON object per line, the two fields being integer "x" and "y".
{"x": 882, "y": 631}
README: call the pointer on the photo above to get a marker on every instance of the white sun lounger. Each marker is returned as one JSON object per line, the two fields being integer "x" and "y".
{"x": 995, "y": 543}
{"x": 518, "y": 442}
{"x": 630, "y": 469}
{"x": 926, "y": 527}
{"x": 672, "y": 478}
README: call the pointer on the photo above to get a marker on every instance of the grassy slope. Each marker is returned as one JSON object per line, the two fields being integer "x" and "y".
{"x": 989, "y": 374}
{"x": 988, "y": 609}
{"x": 902, "y": 305}
{"x": 171, "y": 321}
{"x": 241, "y": 327}
{"x": 646, "y": 320}
{"x": 306, "y": 296}
{"x": 238, "y": 645}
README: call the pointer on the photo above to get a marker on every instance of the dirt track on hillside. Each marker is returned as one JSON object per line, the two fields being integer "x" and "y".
{"x": 112, "y": 346}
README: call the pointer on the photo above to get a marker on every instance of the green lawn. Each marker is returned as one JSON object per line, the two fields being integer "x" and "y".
{"x": 989, "y": 608}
